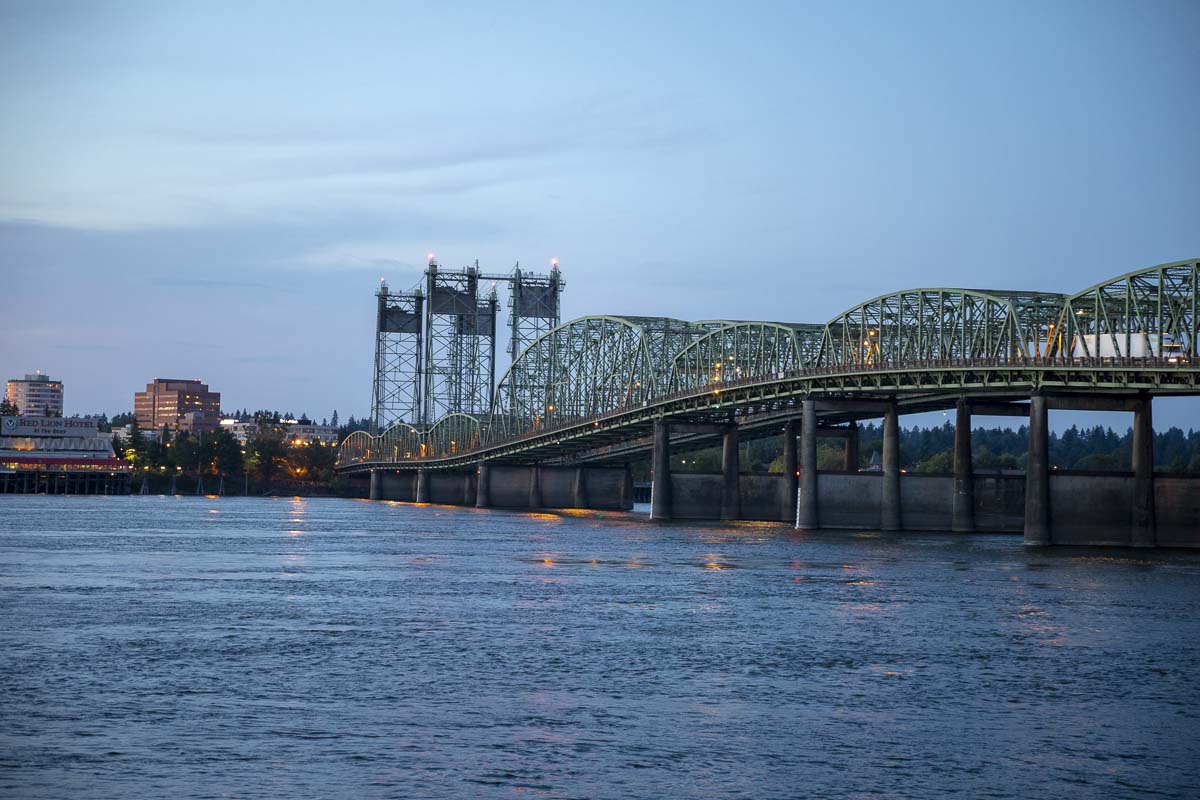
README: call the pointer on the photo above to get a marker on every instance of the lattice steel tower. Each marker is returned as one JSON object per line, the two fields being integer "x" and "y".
{"x": 533, "y": 304}
{"x": 460, "y": 343}
{"x": 435, "y": 346}
{"x": 396, "y": 392}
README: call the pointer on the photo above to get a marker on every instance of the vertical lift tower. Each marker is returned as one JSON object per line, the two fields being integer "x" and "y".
{"x": 435, "y": 347}
{"x": 396, "y": 390}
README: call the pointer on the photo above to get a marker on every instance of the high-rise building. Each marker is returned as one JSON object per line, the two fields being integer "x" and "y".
{"x": 36, "y": 395}
{"x": 182, "y": 405}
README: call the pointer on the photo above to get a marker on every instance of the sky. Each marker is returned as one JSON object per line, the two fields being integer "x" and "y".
{"x": 214, "y": 190}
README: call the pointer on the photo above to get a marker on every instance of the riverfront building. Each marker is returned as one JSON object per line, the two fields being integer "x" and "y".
{"x": 293, "y": 432}
{"x": 36, "y": 395}
{"x": 54, "y": 455}
{"x": 182, "y": 405}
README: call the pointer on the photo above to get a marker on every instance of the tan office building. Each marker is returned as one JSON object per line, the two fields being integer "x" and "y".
{"x": 181, "y": 405}
{"x": 36, "y": 395}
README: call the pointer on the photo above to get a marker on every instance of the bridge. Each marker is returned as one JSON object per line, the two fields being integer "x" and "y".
{"x": 590, "y": 395}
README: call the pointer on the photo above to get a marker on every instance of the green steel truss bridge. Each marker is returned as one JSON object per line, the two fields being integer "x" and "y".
{"x": 593, "y": 388}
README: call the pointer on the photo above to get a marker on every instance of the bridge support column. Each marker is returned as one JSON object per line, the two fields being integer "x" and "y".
{"x": 535, "y": 487}
{"x": 1037, "y": 475}
{"x": 731, "y": 503}
{"x": 963, "y": 518}
{"x": 1143, "y": 533}
{"x": 376, "y": 486}
{"x": 807, "y": 513}
{"x": 422, "y": 494}
{"x": 661, "y": 506}
{"x": 483, "y": 493}
{"x": 852, "y": 448}
{"x": 468, "y": 490}
{"x": 791, "y": 480}
{"x": 579, "y": 490}
{"x": 890, "y": 500}
{"x": 627, "y": 490}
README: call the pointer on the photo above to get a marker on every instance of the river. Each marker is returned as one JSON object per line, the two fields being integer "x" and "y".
{"x": 320, "y": 648}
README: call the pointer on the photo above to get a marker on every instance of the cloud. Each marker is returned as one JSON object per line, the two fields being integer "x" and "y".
{"x": 373, "y": 256}
{"x": 83, "y": 347}
{"x": 214, "y": 283}
{"x": 204, "y": 172}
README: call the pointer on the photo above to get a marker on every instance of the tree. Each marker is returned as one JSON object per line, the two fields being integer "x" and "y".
{"x": 228, "y": 453}
{"x": 334, "y": 419}
{"x": 830, "y": 456}
{"x": 185, "y": 452}
{"x": 135, "y": 448}
{"x": 267, "y": 453}
{"x": 8, "y": 408}
{"x": 938, "y": 462}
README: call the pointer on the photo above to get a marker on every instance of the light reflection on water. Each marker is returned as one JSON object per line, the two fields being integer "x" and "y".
{"x": 324, "y": 648}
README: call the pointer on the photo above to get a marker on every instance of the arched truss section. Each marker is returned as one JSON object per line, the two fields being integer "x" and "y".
{"x": 1151, "y": 312}
{"x": 588, "y": 366}
{"x": 401, "y": 442}
{"x": 355, "y": 448}
{"x": 452, "y": 434}
{"x": 739, "y": 350}
{"x": 937, "y": 324}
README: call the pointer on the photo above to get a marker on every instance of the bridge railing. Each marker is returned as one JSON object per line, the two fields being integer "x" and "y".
{"x": 360, "y": 448}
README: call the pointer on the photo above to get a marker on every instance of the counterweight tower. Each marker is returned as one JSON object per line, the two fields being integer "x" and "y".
{"x": 435, "y": 346}
{"x": 396, "y": 390}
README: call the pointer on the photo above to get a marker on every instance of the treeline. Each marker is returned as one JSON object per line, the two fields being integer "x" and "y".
{"x": 262, "y": 417}
{"x": 271, "y": 417}
{"x": 932, "y": 450}
{"x": 1095, "y": 448}
{"x": 265, "y": 457}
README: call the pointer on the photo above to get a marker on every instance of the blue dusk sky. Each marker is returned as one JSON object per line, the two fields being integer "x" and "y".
{"x": 214, "y": 190}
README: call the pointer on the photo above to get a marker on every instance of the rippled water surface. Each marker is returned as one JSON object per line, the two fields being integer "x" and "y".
{"x": 191, "y": 647}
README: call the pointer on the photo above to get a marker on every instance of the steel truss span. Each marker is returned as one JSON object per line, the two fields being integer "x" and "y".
{"x": 598, "y": 380}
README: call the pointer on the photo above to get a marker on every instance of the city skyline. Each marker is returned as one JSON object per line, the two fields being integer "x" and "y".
{"x": 208, "y": 199}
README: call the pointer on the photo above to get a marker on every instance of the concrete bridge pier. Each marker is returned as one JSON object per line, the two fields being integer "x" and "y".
{"x": 469, "y": 493}
{"x": 376, "y": 486}
{"x": 422, "y": 493}
{"x": 1053, "y": 513}
{"x": 1143, "y": 533}
{"x": 535, "y": 487}
{"x": 483, "y": 495}
{"x": 731, "y": 503}
{"x": 661, "y": 506}
{"x": 791, "y": 476}
{"x": 807, "y": 513}
{"x": 963, "y": 512}
{"x": 1037, "y": 475}
{"x": 626, "y": 497}
{"x": 890, "y": 498}
{"x": 579, "y": 490}
{"x": 852, "y": 448}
